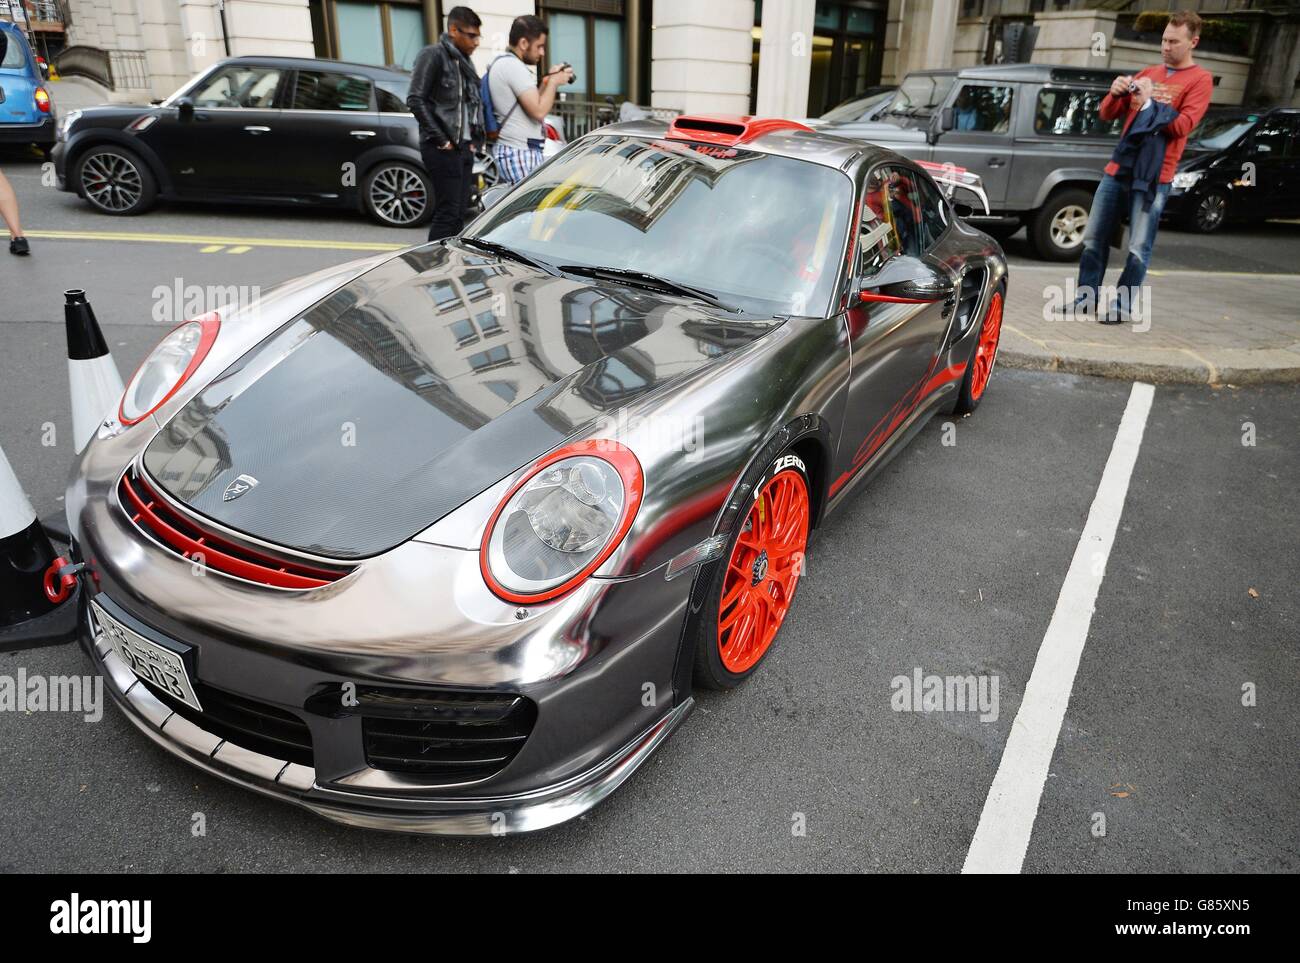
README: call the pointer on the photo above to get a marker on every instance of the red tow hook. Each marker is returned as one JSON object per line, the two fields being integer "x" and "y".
{"x": 61, "y": 579}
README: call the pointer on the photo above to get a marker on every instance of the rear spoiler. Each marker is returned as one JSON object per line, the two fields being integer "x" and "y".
{"x": 952, "y": 178}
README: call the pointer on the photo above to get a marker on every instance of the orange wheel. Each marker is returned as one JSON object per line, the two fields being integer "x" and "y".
{"x": 763, "y": 571}
{"x": 983, "y": 355}
{"x": 987, "y": 348}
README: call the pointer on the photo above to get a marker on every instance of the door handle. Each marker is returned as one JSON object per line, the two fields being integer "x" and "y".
{"x": 997, "y": 162}
{"x": 362, "y": 134}
{"x": 256, "y": 130}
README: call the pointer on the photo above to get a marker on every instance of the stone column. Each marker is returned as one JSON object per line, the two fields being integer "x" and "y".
{"x": 701, "y": 55}
{"x": 785, "y": 58}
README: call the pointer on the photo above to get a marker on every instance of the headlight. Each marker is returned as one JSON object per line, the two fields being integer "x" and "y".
{"x": 1187, "y": 180}
{"x": 66, "y": 123}
{"x": 168, "y": 367}
{"x": 560, "y": 521}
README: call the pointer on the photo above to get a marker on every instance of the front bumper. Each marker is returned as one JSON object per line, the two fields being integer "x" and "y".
{"x": 473, "y": 815}
{"x": 41, "y": 133}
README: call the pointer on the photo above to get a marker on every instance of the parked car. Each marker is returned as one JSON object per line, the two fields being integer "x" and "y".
{"x": 27, "y": 113}
{"x": 595, "y": 432}
{"x": 1239, "y": 165}
{"x": 867, "y": 107}
{"x": 276, "y": 130}
{"x": 1032, "y": 133}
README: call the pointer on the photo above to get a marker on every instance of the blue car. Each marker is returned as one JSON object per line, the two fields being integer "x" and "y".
{"x": 26, "y": 111}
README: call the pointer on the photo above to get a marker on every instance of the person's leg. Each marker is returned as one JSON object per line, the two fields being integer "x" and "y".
{"x": 1143, "y": 225}
{"x": 1107, "y": 205}
{"x": 508, "y": 166}
{"x": 9, "y": 212}
{"x": 443, "y": 167}
{"x": 466, "y": 187}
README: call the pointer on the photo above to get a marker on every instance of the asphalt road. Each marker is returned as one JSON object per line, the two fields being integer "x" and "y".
{"x": 951, "y": 563}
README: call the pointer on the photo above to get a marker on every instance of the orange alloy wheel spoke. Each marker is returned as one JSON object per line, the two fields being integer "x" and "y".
{"x": 761, "y": 576}
{"x": 987, "y": 348}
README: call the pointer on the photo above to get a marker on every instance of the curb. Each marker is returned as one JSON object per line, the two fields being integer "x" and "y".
{"x": 1162, "y": 372}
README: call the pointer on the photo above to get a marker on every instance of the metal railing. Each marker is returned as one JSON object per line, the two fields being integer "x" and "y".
{"x": 582, "y": 116}
{"x": 114, "y": 69}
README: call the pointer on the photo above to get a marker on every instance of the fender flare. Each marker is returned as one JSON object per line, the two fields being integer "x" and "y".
{"x": 99, "y": 137}
{"x": 1087, "y": 178}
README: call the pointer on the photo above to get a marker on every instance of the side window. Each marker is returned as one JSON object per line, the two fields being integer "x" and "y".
{"x": 391, "y": 102}
{"x": 934, "y": 212}
{"x": 877, "y": 238}
{"x": 1072, "y": 113}
{"x": 905, "y": 210}
{"x": 984, "y": 109}
{"x": 239, "y": 86}
{"x": 1277, "y": 134}
{"x": 325, "y": 90}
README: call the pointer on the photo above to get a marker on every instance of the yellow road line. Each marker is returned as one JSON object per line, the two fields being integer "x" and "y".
{"x": 220, "y": 241}
{"x": 240, "y": 249}
{"x": 212, "y": 249}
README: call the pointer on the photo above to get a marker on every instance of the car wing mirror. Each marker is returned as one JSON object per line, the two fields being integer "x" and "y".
{"x": 946, "y": 119}
{"x": 185, "y": 108}
{"x": 907, "y": 280}
{"x": 493, "y": 194}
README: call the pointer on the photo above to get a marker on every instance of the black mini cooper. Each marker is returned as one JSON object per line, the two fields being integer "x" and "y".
{"x": 281, "y": 130}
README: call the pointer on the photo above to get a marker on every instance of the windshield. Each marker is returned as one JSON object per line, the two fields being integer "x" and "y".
{"x": 759, "y": 232}
{"x": 855, "y": 109}
{"x": 1216, "y": 133}
{"x": 921, "y": 94}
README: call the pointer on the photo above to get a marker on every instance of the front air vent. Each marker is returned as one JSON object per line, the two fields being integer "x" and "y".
{"x": 166, "y": 526}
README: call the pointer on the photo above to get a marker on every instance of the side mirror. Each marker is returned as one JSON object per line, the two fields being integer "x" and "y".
{"x": 185, "y": 108}
{"x": 947, "y": 119}
{"x": 963, "y": 210}
{"x": 494, "y": 194}
{"x": 907, "y": 280}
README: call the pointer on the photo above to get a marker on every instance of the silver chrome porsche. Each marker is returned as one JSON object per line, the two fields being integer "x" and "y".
{"x": 442, "y": 541}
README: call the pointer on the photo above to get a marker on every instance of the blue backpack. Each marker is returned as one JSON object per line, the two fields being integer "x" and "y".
{"x": 491, "y": 129}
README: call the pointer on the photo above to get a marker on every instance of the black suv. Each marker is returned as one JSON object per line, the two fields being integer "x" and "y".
{"x": 1239, "y": 165}
{"x": 261, "y": 130}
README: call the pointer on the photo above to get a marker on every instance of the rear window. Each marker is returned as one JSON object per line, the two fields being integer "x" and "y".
{"x": 1073, "y": 113}
{"x": 13, "y": 58}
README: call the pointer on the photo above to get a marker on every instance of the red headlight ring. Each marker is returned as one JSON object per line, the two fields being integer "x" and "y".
{"x": 629, "y": 470}
{"x": 210, "y": 324}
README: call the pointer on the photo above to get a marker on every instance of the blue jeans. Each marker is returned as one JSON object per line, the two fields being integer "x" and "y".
{"x": 1107, "y": 208}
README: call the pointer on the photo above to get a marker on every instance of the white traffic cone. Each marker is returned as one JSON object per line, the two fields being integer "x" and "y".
{"x": 96, "y": 385}
{"x": 38, "y": 589}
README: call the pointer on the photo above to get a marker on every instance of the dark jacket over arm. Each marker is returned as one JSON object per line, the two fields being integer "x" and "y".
{"x": 422, "y": 98}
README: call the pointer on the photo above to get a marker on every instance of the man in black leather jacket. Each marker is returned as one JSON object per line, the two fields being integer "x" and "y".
{"x": 445, "y": 99}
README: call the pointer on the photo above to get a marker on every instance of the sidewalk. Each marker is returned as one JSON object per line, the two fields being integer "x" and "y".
{"x": 74, "y": 93}
{"x": 1222, "y": 328}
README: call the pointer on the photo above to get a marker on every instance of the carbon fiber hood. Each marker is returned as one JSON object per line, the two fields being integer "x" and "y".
{"x": 413, "y": 388}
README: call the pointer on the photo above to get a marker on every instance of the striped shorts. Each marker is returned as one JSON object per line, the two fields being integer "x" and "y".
{"x": 516, "y": 163}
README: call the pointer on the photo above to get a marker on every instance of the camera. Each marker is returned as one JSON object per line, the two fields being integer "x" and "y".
{"x": 570, "y": 67}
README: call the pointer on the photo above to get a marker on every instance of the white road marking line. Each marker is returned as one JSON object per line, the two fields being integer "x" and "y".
{"x": 1007, "y": 821}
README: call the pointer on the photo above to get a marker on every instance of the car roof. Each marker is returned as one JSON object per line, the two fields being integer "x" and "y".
{"x": 316, "y": 63}
{"x": 1025, "y": 73}
{"x": 796, "y": 142}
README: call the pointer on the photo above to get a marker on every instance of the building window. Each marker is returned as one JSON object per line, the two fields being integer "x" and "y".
{"x": 593, "y": 44}
{"x": 848, "y": 48}
{"x": 369, "y": 32}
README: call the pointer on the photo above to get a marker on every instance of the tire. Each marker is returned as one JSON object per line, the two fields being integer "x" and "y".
{"x": 1209, "y": 213}
{"x": 731, "y": 641}
{"x": 983, "y": 356}
{"x": 397, "y": 194}
{"x": 1056, "y": 229}
{"x": 115, "y": 181}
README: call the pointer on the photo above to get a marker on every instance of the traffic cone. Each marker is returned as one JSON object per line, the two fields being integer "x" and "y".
{"x": 96, "y": 385}
{"x": 38, "y": 588}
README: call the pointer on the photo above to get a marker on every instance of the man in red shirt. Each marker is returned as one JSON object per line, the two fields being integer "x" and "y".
{"x": 1186, "y": 88}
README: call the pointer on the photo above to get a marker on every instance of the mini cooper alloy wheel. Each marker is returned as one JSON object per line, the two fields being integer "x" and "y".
{"x": 763, "y": 571}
